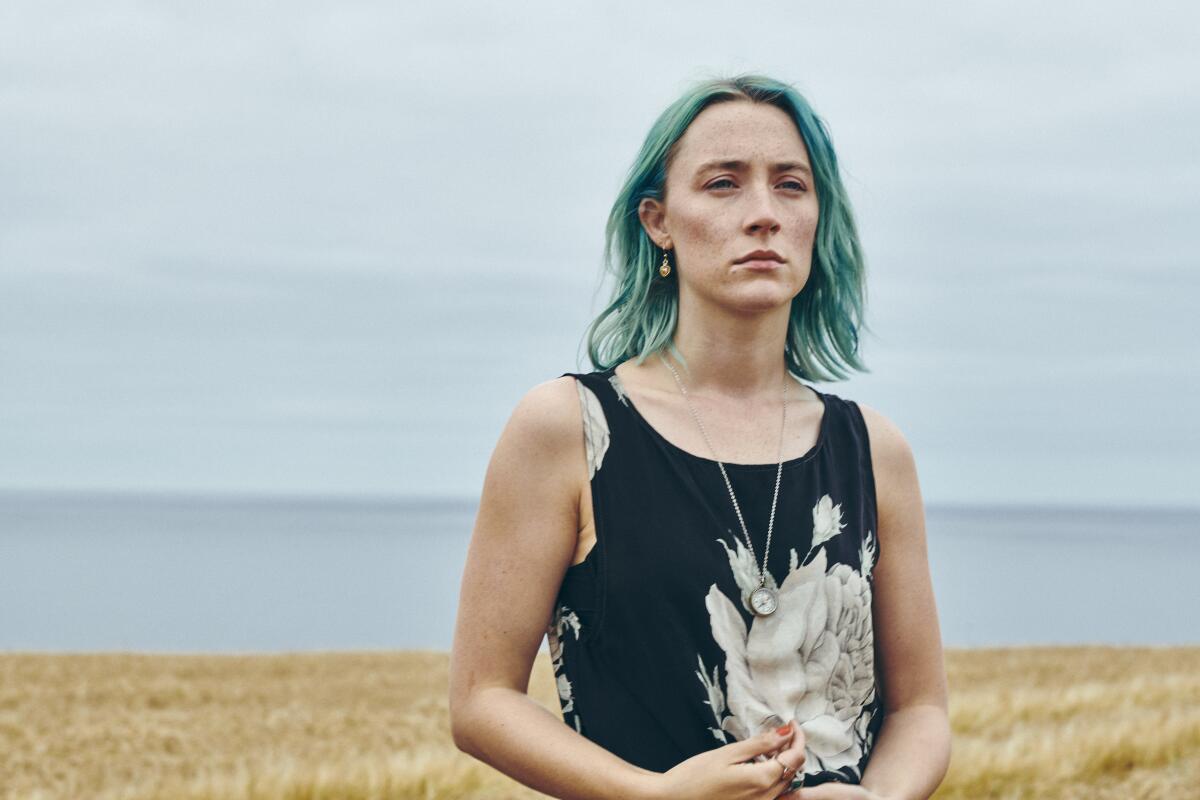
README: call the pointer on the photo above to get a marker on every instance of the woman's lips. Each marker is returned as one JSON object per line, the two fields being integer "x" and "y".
{"x": 760, "y": 264}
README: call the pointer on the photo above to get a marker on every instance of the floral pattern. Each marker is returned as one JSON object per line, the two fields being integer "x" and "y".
{"x": 595, "y": 428}
{"x": 562, "y": 620}
{"x": 596, "y": 439}
{"x": 619, "y": 388}
{"x": 811, "y": 661}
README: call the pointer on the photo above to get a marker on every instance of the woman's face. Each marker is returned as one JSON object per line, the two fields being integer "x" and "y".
{"x": 741, "y": 181}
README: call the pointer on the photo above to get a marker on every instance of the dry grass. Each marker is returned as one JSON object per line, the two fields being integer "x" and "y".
{"x": 1094, "y": 723}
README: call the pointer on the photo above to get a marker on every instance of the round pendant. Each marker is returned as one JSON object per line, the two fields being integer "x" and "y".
{"x": 763, "y": 601}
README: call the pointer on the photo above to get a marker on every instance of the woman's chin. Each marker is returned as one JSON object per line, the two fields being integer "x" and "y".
{"x": 759, "y": 300}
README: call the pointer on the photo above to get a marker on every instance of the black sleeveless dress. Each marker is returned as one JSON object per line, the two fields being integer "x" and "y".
{"x": 655, "y": 650}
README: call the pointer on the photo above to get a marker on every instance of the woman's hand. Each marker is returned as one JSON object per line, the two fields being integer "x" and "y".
{"x": 832, "y": 791}
{"x": 731, "y": 773}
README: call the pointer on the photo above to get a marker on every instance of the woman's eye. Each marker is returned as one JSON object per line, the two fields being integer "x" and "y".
{"x": 725, "y": 182}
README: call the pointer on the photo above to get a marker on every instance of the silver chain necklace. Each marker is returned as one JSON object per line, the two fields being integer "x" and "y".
{"x": 763, "y": 600}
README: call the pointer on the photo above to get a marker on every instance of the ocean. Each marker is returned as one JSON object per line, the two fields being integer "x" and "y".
{"x": 160, "y": 573}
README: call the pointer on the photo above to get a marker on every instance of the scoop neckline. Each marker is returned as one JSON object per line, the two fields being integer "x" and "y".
{"x": 731, "y": 465}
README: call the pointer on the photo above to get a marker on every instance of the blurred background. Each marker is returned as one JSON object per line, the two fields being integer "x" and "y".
{"x": 272, "y": 279}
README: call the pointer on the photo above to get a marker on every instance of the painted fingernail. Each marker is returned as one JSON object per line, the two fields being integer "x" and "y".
{"x": 784, "y": 730}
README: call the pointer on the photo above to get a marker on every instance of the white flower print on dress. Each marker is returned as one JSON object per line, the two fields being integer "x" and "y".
{"x": 867, "y": 554}
{"x": 811, "y": 661}
{"x": 595, "y": 428}
{"x": 619, "y": 388}
{"x": 716, "y": 698}
{"x": 562, "y": 618}
{"x": 827, "y": 520}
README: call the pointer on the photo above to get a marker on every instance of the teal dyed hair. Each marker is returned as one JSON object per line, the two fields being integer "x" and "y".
{"x": 826, "y": 316}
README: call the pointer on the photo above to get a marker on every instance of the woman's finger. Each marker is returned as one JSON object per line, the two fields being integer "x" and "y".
{"x": 762, "y": 744}
{"x": 770, "y": 776}
{"x": 783, "y": 768}
{"x": 793, "y": 753}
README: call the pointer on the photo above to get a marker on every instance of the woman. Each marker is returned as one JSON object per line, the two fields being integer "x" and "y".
{"x": 730, "y": 565}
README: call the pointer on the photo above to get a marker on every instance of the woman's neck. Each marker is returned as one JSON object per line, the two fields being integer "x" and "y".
{"x": 732, "y": 356}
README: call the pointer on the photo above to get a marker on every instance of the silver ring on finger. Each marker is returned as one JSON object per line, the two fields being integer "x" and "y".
{"x": 787, "y": 771}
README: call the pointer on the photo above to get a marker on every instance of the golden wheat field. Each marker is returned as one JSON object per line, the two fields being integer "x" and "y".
{"x": 1086, "y": 722}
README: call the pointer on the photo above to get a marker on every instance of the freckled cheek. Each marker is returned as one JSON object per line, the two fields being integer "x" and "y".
{"x": 805, "y": 227}
{"x": 697, "y": 229}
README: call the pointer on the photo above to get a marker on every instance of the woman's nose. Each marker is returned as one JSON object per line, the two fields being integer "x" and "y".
{"x": 761, "y": 211}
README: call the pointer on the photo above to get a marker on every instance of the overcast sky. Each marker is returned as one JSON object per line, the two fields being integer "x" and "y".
{"x": 325, "y": 248}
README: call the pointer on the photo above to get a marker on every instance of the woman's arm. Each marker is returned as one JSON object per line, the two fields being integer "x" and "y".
{"x": 502, "y": 727}
{"x": 912, "y": 751}
{"x": 523, "y": 541}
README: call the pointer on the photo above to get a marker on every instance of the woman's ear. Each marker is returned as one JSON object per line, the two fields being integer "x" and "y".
{"x": 651, "y": 213}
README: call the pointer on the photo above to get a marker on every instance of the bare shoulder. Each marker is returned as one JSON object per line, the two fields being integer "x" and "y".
{"x": 892, "y": 461}
{"x": 541, "y": 448}
{"x": 888, "y": 443}
{"x": 548, "y": 414}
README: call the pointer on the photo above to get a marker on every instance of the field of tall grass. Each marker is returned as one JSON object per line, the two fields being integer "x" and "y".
{"x": 1080, "y": 722}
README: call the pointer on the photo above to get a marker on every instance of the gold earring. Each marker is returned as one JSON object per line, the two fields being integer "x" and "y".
{"x": 664, "y": 269}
